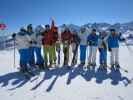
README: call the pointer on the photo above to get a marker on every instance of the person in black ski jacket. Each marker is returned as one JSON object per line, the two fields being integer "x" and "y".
{"x": 75, "y": 43}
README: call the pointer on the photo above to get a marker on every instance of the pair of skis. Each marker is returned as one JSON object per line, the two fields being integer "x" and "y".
{"x": 27, "y": 75}
{"x": 120, "y": 68}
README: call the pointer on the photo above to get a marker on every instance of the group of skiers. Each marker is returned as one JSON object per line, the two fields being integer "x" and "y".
{"x": 30, "y": 42}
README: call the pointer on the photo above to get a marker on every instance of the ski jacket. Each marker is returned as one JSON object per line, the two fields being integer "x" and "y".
{"x": 22, "y": 40}
{"x": 83, "y": 38}
{"x": 51, "y": 36}
{"x": 32, "y": 35}
{"x": 38, "y": 39}
{"x": 66, "y": 36}
{"x": 113, "y": 41}
{"x": 75, "y": 39}
{"x": 38, "y": 36}
{"x": 102, "y": 41}
{"x": 92, "y": 39}
{"x": 54, "y": 30}
{"x": 48, "y": 38}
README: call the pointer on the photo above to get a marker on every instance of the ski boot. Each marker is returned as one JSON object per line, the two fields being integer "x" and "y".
{"x": 89, "y": 66}
{"x": 82, "y": 63}
{"x": 50, "y": 64}
{"x": 112, "y": 67}
{"x": 66, "y": 65}
{"x": 41, "y": 66}
{"x": 93, "y": 66}
{"x": 117, "y": 66}
{"x": 46, "y": 67}
{"x": 105, "y": 66}
{"x": 73, "y": 63}
{"x": 23, "y": 70}
{"x": 101, "y": 67}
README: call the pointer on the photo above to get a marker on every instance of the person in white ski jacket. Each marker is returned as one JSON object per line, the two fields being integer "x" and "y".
{"x": 83, "y": 44}
{"x": 37, "y": 42}
{"x": 31, "y": 34}
{"x": 23, "y": 42}
{"x": 102, "y": 46}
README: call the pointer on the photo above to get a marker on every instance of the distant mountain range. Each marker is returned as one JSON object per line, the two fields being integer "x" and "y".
{"x": 123, "y": 28}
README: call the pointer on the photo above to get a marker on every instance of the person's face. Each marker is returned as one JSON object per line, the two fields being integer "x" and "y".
{"x": 66, "y": 29}
{"x": 74, "y": 32}
{"x": 82, "y": 30}
{"x": 104, "y": 33}
{"x": 47, "y": 28}
{"x": 29, "y": 29}
{"x": 93, "y": 32}
{"x": 22, "y": 30}
{"x": 113, "y": 32}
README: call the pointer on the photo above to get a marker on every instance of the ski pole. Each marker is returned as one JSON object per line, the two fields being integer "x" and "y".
{"x": 14, "y": 63}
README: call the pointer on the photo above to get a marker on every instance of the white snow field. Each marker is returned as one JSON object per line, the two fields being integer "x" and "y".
{"x": 63, "y": 84}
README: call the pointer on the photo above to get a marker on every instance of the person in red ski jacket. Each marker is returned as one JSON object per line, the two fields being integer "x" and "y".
{"x": 48, "y": 46}
{"x": 56, "y": 39}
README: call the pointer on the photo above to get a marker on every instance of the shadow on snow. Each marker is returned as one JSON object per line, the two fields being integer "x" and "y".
{"x": 17, "y": 80}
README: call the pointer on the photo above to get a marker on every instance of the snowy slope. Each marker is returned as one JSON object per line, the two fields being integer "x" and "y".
{"x": 61, "y": 84}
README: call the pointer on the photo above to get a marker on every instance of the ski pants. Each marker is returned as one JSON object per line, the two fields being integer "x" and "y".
{"x": 66, "y": 53}
{"x": 39, "y": 58}
{"x": 32, "y": 56}
{"x": 103, "y": 55}
{"x": 83, "y": 53}
{"x": 49, "y": 50}
{"x": 24, "y": 58}
{"x": 114, "y": 58}
{"x": 92, "y": 54}
{"x": 58, "y": 51}
{"x": 75, "y": 51}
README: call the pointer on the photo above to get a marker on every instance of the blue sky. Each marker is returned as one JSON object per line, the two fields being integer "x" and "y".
{"x": 17, "y": 13}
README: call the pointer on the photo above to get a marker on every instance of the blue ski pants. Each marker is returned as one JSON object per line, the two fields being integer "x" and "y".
{"x": 83, "y": 53}
{"x": 103, "y": 55}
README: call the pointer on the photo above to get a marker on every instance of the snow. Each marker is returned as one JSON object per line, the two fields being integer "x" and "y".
{"x": 62, "y": 84}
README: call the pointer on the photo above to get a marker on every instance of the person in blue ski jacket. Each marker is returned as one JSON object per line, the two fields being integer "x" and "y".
{"x": 113, "y": 46}
{"x": 92, "y": 40}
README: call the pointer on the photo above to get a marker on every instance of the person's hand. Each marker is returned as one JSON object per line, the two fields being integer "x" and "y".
{"x": 35, "y": 42}
{"x": 110, "y": 49}
{"x": 30, "y": 42}
{"x": 13, "y": 35}
{"x": 88, "y": 42}
{"x": 124, "y": 39}
{"x": 99, "y": 49}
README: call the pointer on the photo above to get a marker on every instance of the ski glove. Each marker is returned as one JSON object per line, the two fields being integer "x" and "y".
{"x": 30, "y": 42}
{"x": 110, "y": 49}
{"x": 13, "y": 35}
{"x": 99, "y": 49}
